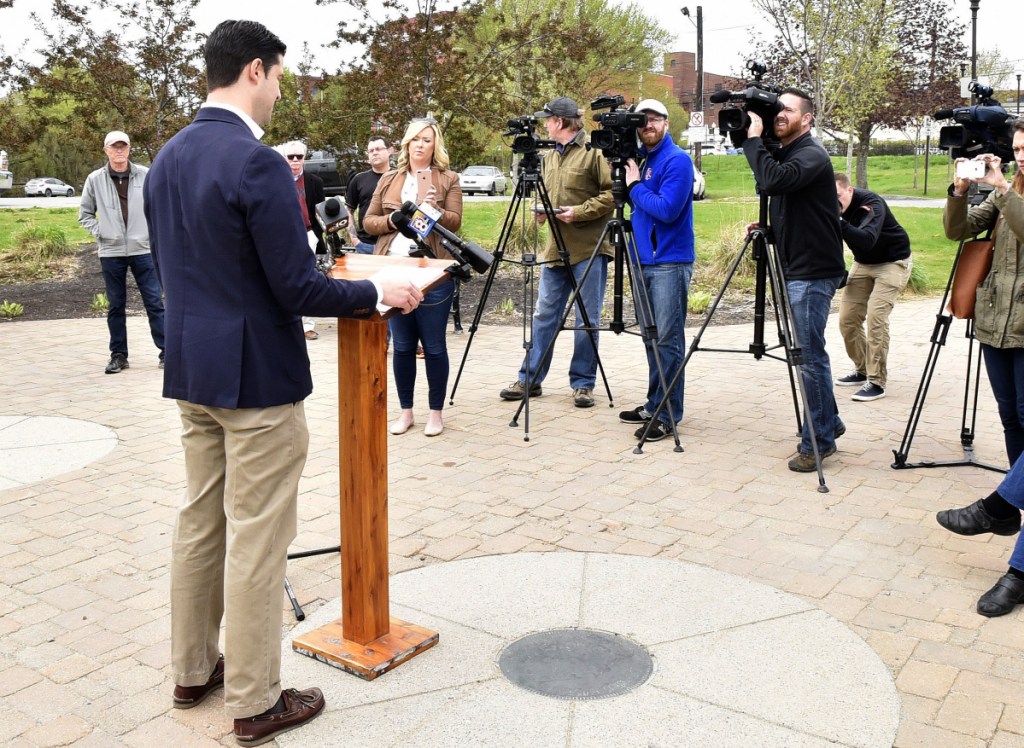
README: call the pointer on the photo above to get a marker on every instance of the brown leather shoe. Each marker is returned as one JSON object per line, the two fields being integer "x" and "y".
{"x": 186, "y": 697}
{"x": 299, "y": 708}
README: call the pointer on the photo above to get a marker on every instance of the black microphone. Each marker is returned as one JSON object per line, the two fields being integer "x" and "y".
{"x": 401, "y": 222}
{"x": 944, "y": 114}
{"x": 720, "y": 96}
{"x": 464, "y": 252}
{"x": 332, "y": 215}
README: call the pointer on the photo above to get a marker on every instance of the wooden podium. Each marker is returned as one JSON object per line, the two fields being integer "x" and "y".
{"x": 366, "y": 641}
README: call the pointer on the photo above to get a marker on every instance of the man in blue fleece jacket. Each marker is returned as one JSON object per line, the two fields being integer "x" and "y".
{"x": 661, "y": 202}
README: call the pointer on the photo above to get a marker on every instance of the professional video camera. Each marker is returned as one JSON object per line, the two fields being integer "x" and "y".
{"x": 982, "y": 128}
{"x": 617, "y": 137}
{"x": 525, "y": 141}
{"x": 758, "y": 97}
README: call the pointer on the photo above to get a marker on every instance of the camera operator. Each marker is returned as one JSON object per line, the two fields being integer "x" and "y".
{"x": 999, "y": 328}
{"x": 579, "y": 184}
{"x": 881, "y": 269}
{"x": 805, "y": 228}
{"x": 661, "y": 202}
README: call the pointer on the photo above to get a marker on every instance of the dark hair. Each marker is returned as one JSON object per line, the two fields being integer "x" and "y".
{"x": 807, "y": 103}
{"x": 233, "y": 45}
{"x": 380, "y": 138}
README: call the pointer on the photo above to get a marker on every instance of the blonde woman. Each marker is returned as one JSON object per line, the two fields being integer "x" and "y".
{"x": 422, "y": 150}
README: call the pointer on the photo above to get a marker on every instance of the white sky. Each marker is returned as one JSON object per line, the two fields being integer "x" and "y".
{"x": 728, "y": 26}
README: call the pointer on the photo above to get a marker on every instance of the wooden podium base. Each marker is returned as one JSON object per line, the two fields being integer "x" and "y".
{"x": 402, "y": 642}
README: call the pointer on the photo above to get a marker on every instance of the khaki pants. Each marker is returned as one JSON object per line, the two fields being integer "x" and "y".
{"x": 230, "y": 547}
{"x": 870, "y": 294}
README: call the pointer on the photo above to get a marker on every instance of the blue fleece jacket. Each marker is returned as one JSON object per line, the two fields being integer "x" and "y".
{"x": 662, "y": 205}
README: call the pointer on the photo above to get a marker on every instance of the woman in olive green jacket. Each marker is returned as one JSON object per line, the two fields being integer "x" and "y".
{"x": 999, "y": 327}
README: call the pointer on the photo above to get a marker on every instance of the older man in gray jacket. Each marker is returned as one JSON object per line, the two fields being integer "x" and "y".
{"x": 111, "y": 210}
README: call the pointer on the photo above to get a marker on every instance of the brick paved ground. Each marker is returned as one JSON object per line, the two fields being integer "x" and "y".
{"x": 83, "y": 556}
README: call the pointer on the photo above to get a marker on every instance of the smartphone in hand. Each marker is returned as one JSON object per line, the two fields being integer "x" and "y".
{"x": 423, "y": 184}
{"x": 971, "y": 169}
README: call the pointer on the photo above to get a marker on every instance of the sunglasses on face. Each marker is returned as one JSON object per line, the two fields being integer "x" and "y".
{"x": 295, "y": 157}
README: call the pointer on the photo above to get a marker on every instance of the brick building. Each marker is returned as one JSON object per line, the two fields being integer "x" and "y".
{"x": 682, "y": 66}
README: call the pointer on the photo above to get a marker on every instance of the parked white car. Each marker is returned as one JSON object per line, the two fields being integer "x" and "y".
{"x": 48, "y": 187}
{"x": 487, "y": 179}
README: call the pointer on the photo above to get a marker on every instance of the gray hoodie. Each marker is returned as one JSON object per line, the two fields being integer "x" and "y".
{"x": 100, "y": 213}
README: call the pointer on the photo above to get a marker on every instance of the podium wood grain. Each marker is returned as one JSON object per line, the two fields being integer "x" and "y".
{"x": 366, "y": 640}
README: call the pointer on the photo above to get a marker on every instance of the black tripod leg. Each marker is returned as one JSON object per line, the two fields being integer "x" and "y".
{"x": 938, "y": 340}
{"x": 296, "y": 608}
{"x": 499, "y": 257}
{"x": 457, "y": 306}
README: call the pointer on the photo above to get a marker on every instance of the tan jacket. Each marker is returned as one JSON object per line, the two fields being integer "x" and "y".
{"x": 578, "y": 178}
{"x": 999, "y": 309}
{"x": 387, "y": 198}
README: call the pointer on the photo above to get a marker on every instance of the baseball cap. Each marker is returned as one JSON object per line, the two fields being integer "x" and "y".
{"x": 116, "y": 136}
{"x": 563, "y": 106}
{"x": 652, "y": 105}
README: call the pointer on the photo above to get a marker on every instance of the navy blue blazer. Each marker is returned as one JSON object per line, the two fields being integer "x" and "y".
{"x": 230, "y": 246}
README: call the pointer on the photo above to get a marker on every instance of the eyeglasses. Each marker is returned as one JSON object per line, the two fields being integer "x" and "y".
{"x": 294, "y": 157}
{"x": 655, "y": 118}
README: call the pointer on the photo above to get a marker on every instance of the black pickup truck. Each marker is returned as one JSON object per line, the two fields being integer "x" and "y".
{"x": 326, "y": 166}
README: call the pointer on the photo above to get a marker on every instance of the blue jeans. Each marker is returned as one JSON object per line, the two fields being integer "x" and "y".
{"x": 115, "y": 278}
{"x": 363, "y": 248}
{"x": 552, "y": 296}
{"x": 427, "y": 325}
{"x": 668, "y": 289}
{"x": 1005, "y": 367}
{"x": 1012, "y": 489}
{"x": 811, "y": 301}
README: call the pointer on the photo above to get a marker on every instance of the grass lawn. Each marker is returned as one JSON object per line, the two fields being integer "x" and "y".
{"x": 719, "y": 220}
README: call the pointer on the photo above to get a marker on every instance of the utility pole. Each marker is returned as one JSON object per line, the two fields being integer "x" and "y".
{"x": 1018, "y": 94}
{"x": 974, "y": 47}
{"x": 698, "y": 99}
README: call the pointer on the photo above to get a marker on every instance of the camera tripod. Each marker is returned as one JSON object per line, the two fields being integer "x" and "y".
{"x": 970, "y": 402}
{"x": 619, "y": 232}
{"x": 768, "y": 272}
{"x": 530, "y": 184}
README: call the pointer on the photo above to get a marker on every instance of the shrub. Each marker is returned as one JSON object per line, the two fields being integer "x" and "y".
{"x": 100, "y": 303}
{"x": 11, "y": 309}
{"x": 37, "y": 254}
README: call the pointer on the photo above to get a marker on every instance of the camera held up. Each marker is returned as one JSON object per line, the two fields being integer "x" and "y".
{"x": 522, "y": 130}
{"x": 617, "y": 137}
{"x": 758, "y": 97}
{"x": 982, "y": 128}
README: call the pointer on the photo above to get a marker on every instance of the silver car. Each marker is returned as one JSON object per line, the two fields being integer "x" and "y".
{"x": 487, "y": 179}
{"x": 48, "y": 186}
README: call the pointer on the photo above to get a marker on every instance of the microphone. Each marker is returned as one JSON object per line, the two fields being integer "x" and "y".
{"x": 423, "y": 221}
{"x": 944, "y": 114}
{"x": 401, "y": 222}
{"x": 332, "y": 215}
{"x": 719, "y": 97}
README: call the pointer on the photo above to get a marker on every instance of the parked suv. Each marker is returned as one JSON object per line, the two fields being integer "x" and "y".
{"x": 334, "y": 169}
{"x": 48, "y": 186}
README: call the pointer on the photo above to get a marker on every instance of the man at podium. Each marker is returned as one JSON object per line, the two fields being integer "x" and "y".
{"x": 230, "y": 246}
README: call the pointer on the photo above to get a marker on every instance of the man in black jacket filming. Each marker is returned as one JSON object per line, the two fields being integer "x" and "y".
{"x": 804, "y": 226}
{"x": 881, "y": 269}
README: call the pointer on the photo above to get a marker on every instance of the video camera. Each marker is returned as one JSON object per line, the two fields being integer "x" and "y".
{"x": 525, "y": 141}
{"x": 982, "y": 128}
{"x": 617, "y": 137}
{"x": 758, "y": 97}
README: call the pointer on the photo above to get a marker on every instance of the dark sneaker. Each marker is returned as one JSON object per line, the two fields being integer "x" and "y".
{"x": 517, "y": 390}
{"x": 117, "y": 362}
{"x": 637, "y": 415}
{"x": 852, "y": 380}
{"x": 299, "y": 708}
{"x": 869, "y": 392}
{"x": 974, "y": 520}
{"x": 583, "y": 397}
{"x": 186, "y": 697}
{"x": 804, "y": 463}
{"x": 840, "y": 429}
{"x": 659, "y": 431}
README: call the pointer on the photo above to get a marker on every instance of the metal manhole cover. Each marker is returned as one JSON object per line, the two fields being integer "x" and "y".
{"x": 576, "y": 664}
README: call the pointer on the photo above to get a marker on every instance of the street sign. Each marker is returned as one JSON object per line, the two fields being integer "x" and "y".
{"x": 697, "y": 134}
{"x": 696, "y": 119}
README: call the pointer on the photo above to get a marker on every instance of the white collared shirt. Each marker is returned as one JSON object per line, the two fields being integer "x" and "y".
{"x": 249, "y": 121}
